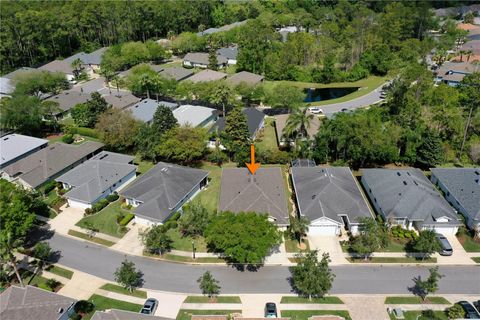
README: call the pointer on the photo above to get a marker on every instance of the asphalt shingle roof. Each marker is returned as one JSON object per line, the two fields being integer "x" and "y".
{"x": 254, "y": 120}
{"x": 249, "y": 78}
{"x": 162, "y": 188}
{"x": 93, "y": 58}
{"x": 68, "y": 99}
{"x": 193, "y": 115}
{"x": 119, "y": 99}
{"x": 145, "y": 109}
{"x": 229, "y": 53}
{"x": 207, "y": 75}
{"x": 58, "y": 66}
{"x": 263, "y": 192}
{"x": 14, "y": 145}
{"x": 202, "y": 58}
{"x": 176, "y": 73}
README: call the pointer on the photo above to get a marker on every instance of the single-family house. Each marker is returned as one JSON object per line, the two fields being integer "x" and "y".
{"x": 246, "y": 77}
{"x": 14, "y": 147}
{"x": 330, "y": 198}
{"x": 162, "y": 191}
{"x": 114, "y": 314}
{"x": 201, "y": 60}
{"x": 229, "y": 53}
{"x": 407, "y": 198}
{"x": 195, "y": 116}
{"x": 471, "y": 46}
{"x": 97, "y": 178}
{"x": 89, "y": 61}
{"x": 461, "y": 188}
{"x": 32, "y": 303}
{"x": 263, "y": 193}
{"x": 207, "y": 75}
{"x": 222, "y": 28}
{"x": 67, "y": 100}
{"x": 60, "y": 66}
{"x": 91, "y": 86}
{"x": 176, "y": 73}
{"x": 8, "y": 81}
{"x": 452, "y": 73}
{"x": 281, "y": 122}
{"x": 50, "y": 162}
{"x": 255, "y": 122}
{"x": 120, "y": 99}
{"x": 155, "y": 67}
{"x": 307, "y": 163}
{"x": 145, "y": 109}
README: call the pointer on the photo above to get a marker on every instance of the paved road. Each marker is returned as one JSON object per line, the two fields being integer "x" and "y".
{"x": 159, "y": 275}
{"x": 360, "y": 102}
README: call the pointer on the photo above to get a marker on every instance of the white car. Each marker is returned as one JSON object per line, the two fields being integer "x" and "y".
{"x": 315, "y": 110}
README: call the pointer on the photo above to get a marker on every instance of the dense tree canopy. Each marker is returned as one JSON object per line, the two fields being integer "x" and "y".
{"x": 86, "y": 114}
{"x": 117, "y": 129}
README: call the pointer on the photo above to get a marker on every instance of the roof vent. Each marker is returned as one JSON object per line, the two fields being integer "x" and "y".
{"x": 398, "y": 173}
{"x": 60, "y": 310}
{"x": 408, "y": 173}
{"x": 314, "y": 196}
{"x": 404, "y": 182}
{"x": 415, "y": 182}
{"x": 5, "y": 139}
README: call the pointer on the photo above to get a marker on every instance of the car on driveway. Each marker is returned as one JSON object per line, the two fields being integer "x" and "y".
{"x": 315, "y": 110}
{"x": 270, "y": 310}
{"x": 445, "y": 247}
{"x": 470, "y": 311}
{"x": 150, "y": 306}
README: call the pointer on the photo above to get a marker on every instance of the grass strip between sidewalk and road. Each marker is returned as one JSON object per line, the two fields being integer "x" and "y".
{"x": 85, "y": 236}
{"x": 476, "y": 259}
{"x": 103, "y": 303}
{"x": 118, "y": 289}
{"x": 59, "y": 271}
{"x": 218, "y": 299}
{"x": 417, "y": 315}
{"x": 324, "y": 300}
{"x": 305, "y": 314}
{"x": 392, "y": 260}
{"x": 175, "y": 258}
{"x": 186, "y": 314}
{"x": 416, "y": 300}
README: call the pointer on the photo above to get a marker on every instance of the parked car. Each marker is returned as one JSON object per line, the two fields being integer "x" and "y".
{"x": 446, "y": 248}
{"x": 470, "y": 311}
{"x": 344, "y": 110}
{"x": 315, "y": 110}
{"x": 150, "y": 306}
{"x": 270, "y": 310}
{"x": 476, "y": 304}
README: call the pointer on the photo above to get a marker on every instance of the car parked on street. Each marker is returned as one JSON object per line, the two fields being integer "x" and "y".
{"x": 315, "y": 110}
{"x": 150, "y": 306}
{"x": 470, "y": 311}
{"x": 270, "y": 310}
{"x": 446, "y": 248}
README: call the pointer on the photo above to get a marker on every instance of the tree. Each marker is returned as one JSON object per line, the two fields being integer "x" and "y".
{"x": 430, "y": 150}
{"x": 156, "y": 240}
{"x": 194, "y": 219}
{"x": 372, "y": 237}
{"x": 42, "y": 252}
{"x": 118, "y": 129}
{"x": 83, "y": 307}
{"x": 245, "y": 237}
{"x": 285, "y": 96}
{"x": 298, "y": 123}
{"x": 209, "y": 285}
{"x": 235, "y": 136}
{"x": 222, "y": 95}
{"x": 163, "y": 120}
{"x": 430, "y": 285}
{"x": 86, "y": 114}
{"x": 128, "y": 276}
{"x": 456, "y": 312}
{"x": 40, "y": 83}
{"x": 298, "y": 228}
{"x": 427, "y": 243}
{"x": 77, "y": 67}
{"x": 8, "y": 246}
{"x": 469, "y": 97}
{"x": 311, "y": 277}
{"x": 212, "y": 59}
{"x": 23, "y": 114}
{"x": 183, "y": 145}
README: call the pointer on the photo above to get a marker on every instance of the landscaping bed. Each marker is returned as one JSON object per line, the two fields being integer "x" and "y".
{"x": 186, "y": 314}
{"x": 476, "y": 259}
{"x": 324, "y": 300}
{"x": 29, "y": 278}
{"x": 60, "y": 271}
{"x": 175, "y": 258}
{"x": 107, "y": 220}
{"x": 218, "y": 299}
{"x": 416, "y": 300}
{"x": 103, "y": 303}
{"x": 118, "y": 289}
{"x": 305, "y": 314}
{"x": 292, "y": 245}
{"x": 85, "y": 236}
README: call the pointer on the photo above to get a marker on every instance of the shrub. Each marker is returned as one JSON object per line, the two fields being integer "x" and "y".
{"x": 52, "y": 284}
{"x": 100, "y": 205}
{"x": 49, "y": 186}
{"x": 126, "y": 219}
{"x": 62, "y": 191}
{"x": 88, "y": 212}
{"x": 84, "y": 132}
{"x": 175, "y": 216}
{"x": 56, "y": 201}
{"x": 83, "y": 306}
{"x": 112, "y": 197}
{"x": 171, "y": 224}
{"x": 68, "y": 138}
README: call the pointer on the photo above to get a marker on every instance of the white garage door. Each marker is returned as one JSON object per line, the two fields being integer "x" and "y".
{"x": 78, "y": 204}
{"x": 446, "y": 230}
{"x": 324, "y": 230}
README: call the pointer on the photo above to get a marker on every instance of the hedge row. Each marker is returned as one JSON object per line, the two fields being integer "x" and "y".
{"x": 123, "y": 220}
{"x": 101, "y": 204}
{"x": 84, "y": 132}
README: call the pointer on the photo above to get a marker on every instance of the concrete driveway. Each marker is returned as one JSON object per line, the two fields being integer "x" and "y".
{"x": 66, "y": 220}
{"x": 459, "y": 256}
{"x": 329, "y": 244}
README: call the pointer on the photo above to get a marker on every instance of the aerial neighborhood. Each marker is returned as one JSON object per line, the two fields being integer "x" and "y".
{"x": 216, "y": 160}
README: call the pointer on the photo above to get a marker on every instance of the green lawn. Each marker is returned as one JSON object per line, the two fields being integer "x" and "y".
{"x": 185, "y": 243}
{"x": 305, "y": 314}
{"x": 29, "y": 278}
{"x": 209, "y": 197}
{"x": 118, "y": 289}
{"x": 393, "y": 246}
{"x": 416, "y": 300}
{"x": 219, "y": 299}
{"x": 267, "y": 140}
{"x": 103, "y": 303}
{"x": 468, "y": 243}
{"x": 183, "y": 259}
{"x": 59, "y": 271}
{"x": 85, "y": 236}
{"x": 105, "y": 221}
{"x": 142, "y": 165}
{"x": 186, "y": 314}
{"x": 292, "y": 245}
{"x": 414, "y": 315}
{"x": 324, "y": 300}
{"x": 231, "y": 69}
{"x": 393, "y": 260}
{"x": 476, "y": 259}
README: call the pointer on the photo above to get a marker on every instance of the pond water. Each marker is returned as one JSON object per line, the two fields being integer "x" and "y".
{"x": 315, "y": 94}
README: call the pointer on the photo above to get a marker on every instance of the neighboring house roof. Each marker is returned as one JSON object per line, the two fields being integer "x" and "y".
{"x": 329, "y": 192}
{"x": 281, "y": 122}
{"x": 119, "y": 99}
{"x": 19, "y": 72}
{"x": 456, "y": 71}
{"x": 93, "y": 58}
{"x": 69, "y": 99}
{"x": 245, "y": 77}
{"x": 254, "y": 120}
{"x": 6, "y": 86}
{"x": 303, "y": 163}
{"x": 464, "y": 185}
{"x": 229, "y": 53}
{"x": 58, "y": 66}
{"x": 162, "y": 188}
{"x": 467, "y": 26}
{"x": 145, "y": 109}
{"x": 202, "y": 58}
{"x": 90, "y": 86}
{"x": 7, "y": 81}
{"x": 453, "y": 11}
{"x": 407, "y": 193}
{"x": 176, "y": 73}
{"x": 114, "y": 314}
{"x": 31, "y": 303}
{"x": 473, "y": 45}
{"x": 223, "y": 28}
{"x": 263, "y": 192}
{"x": 44, "y": 164}
{"x": 93, "y": 177}
{"x": 466, "y": 58}
{"x": 14, "y": 145}
{"x": 193, "y": 115}
{"x": 208, "y": 31}
{"x": 207, "y": 75}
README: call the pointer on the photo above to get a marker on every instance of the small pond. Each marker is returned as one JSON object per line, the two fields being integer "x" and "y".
{"x": 317, "y": 94}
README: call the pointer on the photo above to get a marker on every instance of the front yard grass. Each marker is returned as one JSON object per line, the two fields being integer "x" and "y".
{"x": 305, "y": 314}
{"x": 142, "y": 165}
{"x": 105, "y": 221}
{"x": 416, "y": 300}
{"x": 467, "y": 241}
{"x": 324, "y": 300}
{"x": 36, "y": 280}
{"x": 59, "y": 271}
{"x": 417, "y": 315}
{"x": 85, "y": 236}
{"x": 186, "y": 314}
{"x": 393, "y": 246}
{"x": 292, "y": 245}
{"x": 476, "y": 259}
{"x": 185, "y": 243}
{"x": 267, "y": 140}
{"x": 118, "y": 289}
{"x": 209, "y": 197}
{"x": 219, "y": 299}
{"x": 103, "y": 303}
{"x": 392, "y": 260}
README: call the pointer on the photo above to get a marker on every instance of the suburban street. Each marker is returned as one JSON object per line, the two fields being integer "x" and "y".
{"x": 360, "y": 102}
{"x": 166, "y": 276}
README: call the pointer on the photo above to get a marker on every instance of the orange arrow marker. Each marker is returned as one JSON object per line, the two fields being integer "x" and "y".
{"x": 252, "y": 166}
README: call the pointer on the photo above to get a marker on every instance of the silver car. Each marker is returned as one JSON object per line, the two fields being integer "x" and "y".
{"x": 445, "y": 247}
{"x": 150, "y": 306}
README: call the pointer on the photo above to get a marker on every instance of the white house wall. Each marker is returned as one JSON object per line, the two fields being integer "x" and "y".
{"x": 77, "y": 204}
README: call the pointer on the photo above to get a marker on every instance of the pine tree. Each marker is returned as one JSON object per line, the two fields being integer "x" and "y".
{"x": 212, "y": 59}
{"x": 235, "y": 136}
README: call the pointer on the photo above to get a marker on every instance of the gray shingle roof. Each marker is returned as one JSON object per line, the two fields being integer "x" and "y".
{"x": 328, "y": 192}
{"x": 246, "y": 77}
{"x": 263, "y": 192}
{"x": 407, "y": 193}
{"x": 120, "y": 99}
{"x": 176, "y": 73}
{"x": 202, "y": 58}
{"x": 44, "y": 164}
{"x": 303, "y": 163}
{"x": 464, "y": 185}
{"x": 94, "y": 85}
{"x": 229, "y": 53}
{"x": 32, "y": 303}
{"x": 254, "y": 120}
{"x": 145, "y": 109}
{"x": 207, "y": 75}
{"x": 162, "y": 188}
{"x": 19, "y": 72}
{"x": 193, "y": 115}
{"x": 68, "y": 99}
{"x": 93, "y": 58}
{"x": 14, "y": 145}
{"x": 58, "y": 66}
{"x": 93, "y": 177}
{"x": 114, "y": 314}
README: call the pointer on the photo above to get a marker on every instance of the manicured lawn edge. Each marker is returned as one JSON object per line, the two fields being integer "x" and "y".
{"x": 186, "y": 314}
{"x": 305, "y": 314}
{"x": 392, "y": 260}
{"x": 468, "y": 243}
{"x": 85, "y": 236}
{"x": 103, "y": 303}
{"x": 324, "y": 300}
{"x": 476, "y": 259}
{"x": 118, "y": 289}
{"x": 292, "y": 245}
{"x": 416, "y": 300}
{"x": 219, "y": 299}
{"x": 59, "y": 271}
{"x": 182, "y": 259}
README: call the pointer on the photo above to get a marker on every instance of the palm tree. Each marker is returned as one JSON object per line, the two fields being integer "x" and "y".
{"x": 462, "y": 52}
{"x": 108, "y": 75}
{"x": 76, "y": 65}
{"x": 222, "y": 95}
{"x": 147, "y": 82}
{"x": 7, "y": 247}
{"x": 298, "y": 123}
{"x": 469, "y": 54}
{"x": 298, "y": 228}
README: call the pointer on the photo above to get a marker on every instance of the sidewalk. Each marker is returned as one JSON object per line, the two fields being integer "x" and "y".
{"x": 366, "y": 307}
{"x": 81, "y": 286}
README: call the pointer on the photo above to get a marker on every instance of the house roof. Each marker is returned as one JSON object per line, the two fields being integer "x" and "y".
{"x": 39, "y": 167}
{"x": 329, "y": 192}
{"x": 223, "y": 28}
{"x": 246, "y": 77}
{"x": 193, "y": 115}
{"x": 281, "y": 122}
{"x": 20, "y": 71}
{"x": 230, "y": 53}
{"x": 453, "y": 11}
{"x": 58, "y": 66}
{"x": 69, "y": 99}
{"x": 463, "y": 67}
{"x": 263, "y": 192}
{"x": 208, "y": 31}
{"x": 303, "y": 163}
{"x": 90, "y": 86}
{"x": 114, "y": 314}
{"x": 202, "y": 58}
{"x": 90, "y": 179}
{"x": 254, "y": 120}
{"x": 407, "y": 193}
{"x": 31, "y": 303}
{"x": 119, "y": 99}
{"x": 145, "y": 109}
{"x": 93, "y": 58}
{"x": 473, "y": 45}
{"x": 464, "y": 185}
{"x": 14, "y": 145}
{"x": 467, "y": 26}
{"x": 176, "y": 73}
{"x": 6, "y": 86}
{"x": 207, "y": 75}
{"x": 162, "y": 188}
